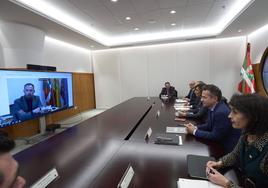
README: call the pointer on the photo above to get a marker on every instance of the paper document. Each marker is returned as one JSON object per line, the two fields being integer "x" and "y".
{"x": 189, "y": 183}
{"x": 182, "y": 108}
{"x": 181, "y": 101}
{"x": 181, "y": 130}
{"x": 179, "y": 105}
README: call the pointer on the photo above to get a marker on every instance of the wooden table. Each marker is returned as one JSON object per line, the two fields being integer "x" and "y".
{"x": 96, "y": 152}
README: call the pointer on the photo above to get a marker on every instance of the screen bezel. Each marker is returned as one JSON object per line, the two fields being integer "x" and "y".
{"x": 48, "y": 113}
{"x": 262, "y": 63}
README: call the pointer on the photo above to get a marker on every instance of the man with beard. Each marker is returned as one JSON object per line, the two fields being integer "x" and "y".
{"x": 27, "y": 106}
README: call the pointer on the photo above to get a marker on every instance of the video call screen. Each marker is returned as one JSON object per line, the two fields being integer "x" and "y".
{"x": 27, "y": 95}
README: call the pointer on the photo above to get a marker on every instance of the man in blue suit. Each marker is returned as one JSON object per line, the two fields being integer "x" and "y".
{"x": 218, "y": 126}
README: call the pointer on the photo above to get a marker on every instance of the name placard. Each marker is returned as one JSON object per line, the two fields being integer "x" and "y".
{"x": 180, "y": 140}
{"x": 148, "y": 133}
{"x": 46, "y": 179}
{"x": 158, "y": 113}
{"x": 126, "y": 178}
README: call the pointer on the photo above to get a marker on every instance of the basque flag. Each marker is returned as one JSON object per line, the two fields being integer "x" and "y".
{"x": 247, "y": 84}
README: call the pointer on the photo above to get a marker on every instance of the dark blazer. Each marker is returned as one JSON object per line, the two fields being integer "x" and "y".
{"x": 196, "y": 102}
{"x": 191, "y": 96}
{"x": 172, "y": 92}
{"x": 21, "y": 104}
{"x": 219, "y": 128}
{"x": 199, "y": 113}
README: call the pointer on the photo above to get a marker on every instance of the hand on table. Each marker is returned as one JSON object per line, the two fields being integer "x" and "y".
{"x": 190, "y": 128}
{"x": 214, "y": 164}
{"x": 214, "y": 176}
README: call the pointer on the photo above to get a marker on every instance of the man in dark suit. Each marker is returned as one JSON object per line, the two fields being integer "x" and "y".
{"x": 191, "y": 97}
{"x": 218, "y": 126}
{"x": 168, "y": 92}
{"x": 27, "y": 106}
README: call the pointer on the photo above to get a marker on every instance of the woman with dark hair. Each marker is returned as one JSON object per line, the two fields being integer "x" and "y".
{"x": 249, "y": 113}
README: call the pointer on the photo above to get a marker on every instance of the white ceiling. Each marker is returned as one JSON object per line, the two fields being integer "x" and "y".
{"x": 150, "y": 16}
{"x": 110, "y": 17}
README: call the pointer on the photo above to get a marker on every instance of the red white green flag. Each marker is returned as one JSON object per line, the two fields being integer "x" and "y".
{"x": 247, "y": 84}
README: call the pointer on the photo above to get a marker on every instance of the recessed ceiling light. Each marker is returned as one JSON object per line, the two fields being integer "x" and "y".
{"x": 114, "y": 1}
{"x": 128, "y": 18}
{"x": 172, "y": 12}
{"x": 136, "y": 29}
{"x": 92, "y": 46}
{"x": 239, "y": 30}
{"x": 173, "y": 24}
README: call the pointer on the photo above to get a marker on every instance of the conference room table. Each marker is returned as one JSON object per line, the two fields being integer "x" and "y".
{"x": 97, "y": 151}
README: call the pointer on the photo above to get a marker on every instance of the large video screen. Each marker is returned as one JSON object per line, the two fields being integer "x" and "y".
{"x": 27, "y": 95}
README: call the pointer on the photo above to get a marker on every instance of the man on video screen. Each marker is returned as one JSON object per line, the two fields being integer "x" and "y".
{"x": 27, "y": 106}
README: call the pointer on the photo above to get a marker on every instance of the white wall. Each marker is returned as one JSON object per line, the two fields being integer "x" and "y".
{"x": 66, "y": 57}
{"x": 259, "y": 42}
{"x": 23, "y": 44}
{"x": 141, "y": 71}
{"x": 1, "y": 56}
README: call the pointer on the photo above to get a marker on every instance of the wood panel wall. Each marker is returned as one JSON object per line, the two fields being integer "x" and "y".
{"x": 258, "y": 79}
{"x": 84, "y": 99}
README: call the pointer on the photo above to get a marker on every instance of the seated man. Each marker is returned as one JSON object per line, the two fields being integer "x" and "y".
{"x": 218, "y": 127}
{"x": 191, "y": 95}
{"x": 27, "y": 106}
{"x": 168, "y": 91}
{"x": 8, "y": 166}
{"x": 198, "y": 112}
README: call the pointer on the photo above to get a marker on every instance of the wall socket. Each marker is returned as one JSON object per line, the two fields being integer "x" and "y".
{"x": 75, "y": 107}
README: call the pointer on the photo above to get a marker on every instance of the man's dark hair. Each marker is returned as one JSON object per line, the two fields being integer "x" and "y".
{"x": 214, "y": 90}
{"x": 255, "y": 109}
{"x": 6, "y": 145}
{"x": 201, "y": 82}
{"x": 167, "y": 83}
{"x": 29, "y": 84}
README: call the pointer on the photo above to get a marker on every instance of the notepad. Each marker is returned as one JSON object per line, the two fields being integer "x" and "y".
{"x": 188, "y": 183}
{"x": 196, "y": 165}
{"x": 176, "y": 130}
